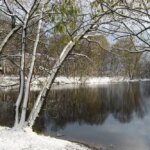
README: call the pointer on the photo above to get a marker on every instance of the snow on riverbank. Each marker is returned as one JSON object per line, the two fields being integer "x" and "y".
{"x": 8, "y": 82}
{"x": 28, "y": 140}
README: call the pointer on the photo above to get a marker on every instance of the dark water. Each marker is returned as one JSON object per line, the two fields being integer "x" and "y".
{"x": 116, "y": 115}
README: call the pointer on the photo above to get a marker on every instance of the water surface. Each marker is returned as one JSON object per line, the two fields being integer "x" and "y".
{"x": 115, "y": 115}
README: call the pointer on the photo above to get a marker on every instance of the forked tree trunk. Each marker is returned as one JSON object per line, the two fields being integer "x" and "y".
{"x": 27, "y": 87}
{"x": 24, "y": 89}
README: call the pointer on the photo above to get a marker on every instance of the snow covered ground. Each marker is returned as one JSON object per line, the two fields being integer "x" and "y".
{"x": 28, "y": 140}
{"x": 8, "y": 82}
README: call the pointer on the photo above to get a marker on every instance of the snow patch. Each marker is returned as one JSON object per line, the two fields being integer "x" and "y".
{"x": 27, "y": 140}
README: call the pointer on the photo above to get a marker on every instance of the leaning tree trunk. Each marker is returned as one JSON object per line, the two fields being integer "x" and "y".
{"x": 43, "y": 93}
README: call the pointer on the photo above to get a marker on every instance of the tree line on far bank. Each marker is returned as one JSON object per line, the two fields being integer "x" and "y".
{"x": 90, "y": 58}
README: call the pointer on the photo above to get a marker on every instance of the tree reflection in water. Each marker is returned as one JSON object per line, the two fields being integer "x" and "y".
{"x": 84, "y": 105}
{"x": 92, "y": 106}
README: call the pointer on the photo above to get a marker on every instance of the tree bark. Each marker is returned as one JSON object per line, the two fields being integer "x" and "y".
{"x": 24, "y": 90}
{"x": 22, "y": 65}
{"x": 27, "y": 88}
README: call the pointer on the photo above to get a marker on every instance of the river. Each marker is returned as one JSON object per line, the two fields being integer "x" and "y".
{"x": 116, "y": 116}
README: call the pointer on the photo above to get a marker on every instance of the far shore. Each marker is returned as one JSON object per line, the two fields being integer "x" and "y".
{"x": 12, "y": 82}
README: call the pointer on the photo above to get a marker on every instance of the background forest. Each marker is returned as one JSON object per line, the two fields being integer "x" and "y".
{"x": 104, "y": 58}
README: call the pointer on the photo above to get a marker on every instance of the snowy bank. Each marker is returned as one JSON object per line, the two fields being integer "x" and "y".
{"x": 7, "y": 82}
{"x": 28, "y": 140}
